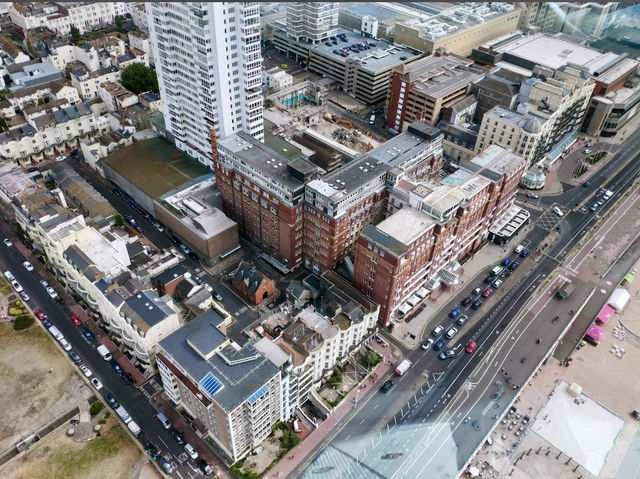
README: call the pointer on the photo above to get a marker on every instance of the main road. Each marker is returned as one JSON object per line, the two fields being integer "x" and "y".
{"x": 416, "y": 430}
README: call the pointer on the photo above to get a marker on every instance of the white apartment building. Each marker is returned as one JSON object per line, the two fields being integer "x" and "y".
{"x": 209, "y": 71}
{"x": 233, "y": 391}
{"x": 55, "y": 90}
{"x": 59, "y": 17}
{"x": 312, "y": 21}
{"x": 140, "y": 17}
{"x": 51, "y": 134}
{"x": 87, "y": 83}
{"x": 139, "y": 40}
{"x": 62, "y": 54}
{"x": 95, "y": 265}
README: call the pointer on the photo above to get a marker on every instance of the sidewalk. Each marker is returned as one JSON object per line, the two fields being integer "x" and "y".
{"x": 489, "y": 255}
{"x": 297, "y": 455}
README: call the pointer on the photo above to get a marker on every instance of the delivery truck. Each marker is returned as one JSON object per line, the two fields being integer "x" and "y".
{"x": 402, "y": 367}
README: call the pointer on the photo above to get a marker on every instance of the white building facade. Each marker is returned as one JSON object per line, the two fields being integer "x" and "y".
{"x": 209, "y": 70}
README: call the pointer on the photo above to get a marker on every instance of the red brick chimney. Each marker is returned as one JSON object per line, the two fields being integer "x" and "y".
{"x": 213, "y": 138}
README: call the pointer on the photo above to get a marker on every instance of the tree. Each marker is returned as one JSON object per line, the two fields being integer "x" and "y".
{"x": 118, "y": 221}
{"x": 119, "y": 21}
{"x": 22, "y": 322}
{"x": 371, "y": 358}
{"x": 139, "y": 78}
{"x": 75, "y": 34}
{"x": 4, "y": 125}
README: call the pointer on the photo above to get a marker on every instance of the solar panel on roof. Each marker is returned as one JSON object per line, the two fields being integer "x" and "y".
{"x": 258, "y": 394}
{"x": 210, "y": 384}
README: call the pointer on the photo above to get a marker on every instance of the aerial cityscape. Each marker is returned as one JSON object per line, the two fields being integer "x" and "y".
{"x": 319, "y": 240}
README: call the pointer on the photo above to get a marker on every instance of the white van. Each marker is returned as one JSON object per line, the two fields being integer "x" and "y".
{"x": 104, "y": 352}
{"x": 65, "y": 344}
{"x": 55, "y": 332}
{"x": 124, "y": 415}
{"x": 163, "y": 419}
{"x": 134, "y": 428}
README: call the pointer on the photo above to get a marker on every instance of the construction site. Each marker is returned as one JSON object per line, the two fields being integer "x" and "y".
{"x": 301, "y": 114}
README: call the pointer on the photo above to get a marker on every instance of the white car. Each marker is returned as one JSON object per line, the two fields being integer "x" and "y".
{"x": 8, "y": 275}
{"x": 558, "y": 211}
{"x": 96, "y": 384}
{"x": 52, "y": 292}
{"x": 65, "y": 344}
{"x": 44, "y": 283}
{"x": 85, "y": 370}
{"x": 193, "y": 454}
{"x": 16, "y": 286}
{"x": 8, "y": 242}
{"x": 28, "y": 266}
{"x": 24, "y": 296}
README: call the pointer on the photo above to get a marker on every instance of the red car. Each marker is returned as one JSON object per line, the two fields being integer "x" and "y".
{"x": 487, "y": 292}
{"x": 75, "y": 320}
{"x": 471, "y": 347}
{"x": 41, "y": 316}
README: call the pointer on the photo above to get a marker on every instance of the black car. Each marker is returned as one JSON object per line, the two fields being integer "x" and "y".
{"x": 59, "y": 299}
{"x": 204, "y": 467}
{"x": 177, "y": 437}
{"x": 111, "y": 401}
{"x": 467, "y": 301}
{"x": 386, "y": 387}
{"x": 126, "y": 377}
{"x": 116, "y": 366}
{"x": 488, "y": 279}
{"x": 74, "y": 357}
{"x": 46, "y": 323}
{"x": 166, "y": 467}
{"x": 514, "y": 265}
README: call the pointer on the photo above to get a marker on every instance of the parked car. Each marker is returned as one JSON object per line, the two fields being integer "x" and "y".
{"x": 439, "y": 344}
{"x": 85, "y": 370}
{"x": 46, "y": 323}
{"x": 126, "y": 377}
{"x": 116, "y": 366}
{"x": 87, "y": 333}
{"x": 524, "y": 253}
{"x": 190, "y": 450}
{"x": 74, "y": 357}
{"x": 96, "y": 384}
{"x": 25, "y": 297}
{"x": 177, "y": 437}
{"x": 111, "y": 401}
{"x": 427, "y": 344}
{"x": 477, "y": 290}
{"x": 9, "y": 275}
{"x": 496, "y": 284}
{"x": 7, "y": 242}
{"x": 166, "y": 467}
{"x": 476, "y": 304}
{"x": 205, "y": 468}
{"x": 451, "y": 333}
{"x": 217, "y": 295}
{"x": 44, "y": 283}
{"x": 52, "y": 292}
{"x": 487, "y": 292}
{"x": 74, "y": 319}
{"x": 436, "y": 331}
{"x": 41, "y": 316}
{"x": 462, "y": 319}
{"x": 16, "y": 286}
{"x": 513, "y": 266}
{"x": 454, "y": 313}
{"x": 506, "y": 262}
{"x": 28, "y": 266}
{"x": 467, "y": 301}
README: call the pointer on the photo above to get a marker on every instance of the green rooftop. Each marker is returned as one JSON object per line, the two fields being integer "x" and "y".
{"x": 278, "y": 144}
{"x": 156, "y": 167}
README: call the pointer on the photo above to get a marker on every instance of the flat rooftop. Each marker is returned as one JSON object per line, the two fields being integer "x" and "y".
{"x": 552, "y": 52}
{"x": 260, "y": 158}
{"x": 282, "y": 146}
{"x": 383, "y": 12}
{"x": 156, "y": 167}
{"x": 381, "y": 57}
{"x": 406, "y": 225}
{"x": 497, "y": 160}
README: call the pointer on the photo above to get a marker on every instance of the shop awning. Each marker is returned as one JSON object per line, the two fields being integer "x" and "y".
{"x": 413, "y": 300}
{"x": 404, "y": 308}
{"x": 605, "y": 314}
{"x": 595, "y": 332}
{"x": 422, "y": 293}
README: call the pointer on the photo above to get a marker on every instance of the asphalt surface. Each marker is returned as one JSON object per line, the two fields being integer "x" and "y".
{"x": 413, "y": 431}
